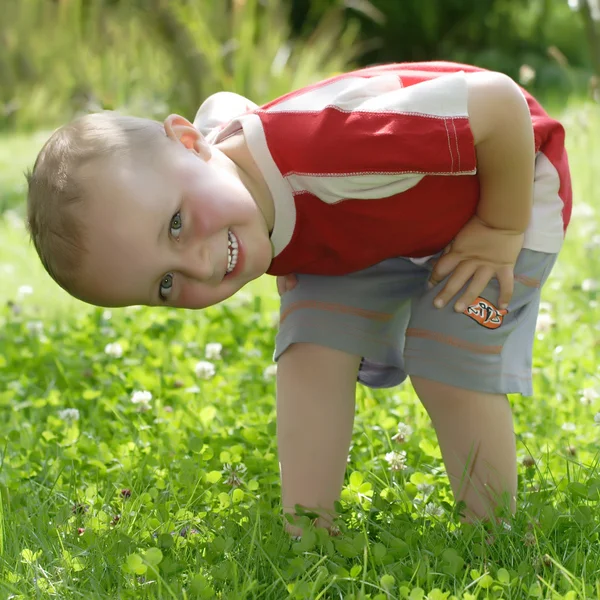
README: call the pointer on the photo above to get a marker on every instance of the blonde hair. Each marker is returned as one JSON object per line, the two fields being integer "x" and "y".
{"x": 56, "y": 186}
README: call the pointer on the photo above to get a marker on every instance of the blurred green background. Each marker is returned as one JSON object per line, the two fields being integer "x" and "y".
{"x": 61, "y": 57}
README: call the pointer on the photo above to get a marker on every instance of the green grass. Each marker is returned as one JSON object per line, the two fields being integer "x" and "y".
{"x": 178, "y": 496}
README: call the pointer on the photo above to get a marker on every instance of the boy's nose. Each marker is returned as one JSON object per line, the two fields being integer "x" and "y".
{"x": 199, "y": 263}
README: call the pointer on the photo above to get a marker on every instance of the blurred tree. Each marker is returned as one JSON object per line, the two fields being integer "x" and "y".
{"x": 590, "y": 15}
{"x": 499, "y": 34}
{"x": 418, "y": 29}
{"x": 163, "y": 19}
{"x": 148, "y": 57}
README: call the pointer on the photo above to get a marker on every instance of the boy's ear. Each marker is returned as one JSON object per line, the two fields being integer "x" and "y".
{"x": 179, "y": 129}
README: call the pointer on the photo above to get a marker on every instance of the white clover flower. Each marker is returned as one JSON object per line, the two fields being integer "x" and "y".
{"x": 433, "y": 510}
{"x": 36, "y": 327}
{"x": 588, "y": 396}
{"x": 142, "y": 398}
{"x": 404, "y": 432}
{"x": 69, "y": 414}
{"x": 212, "y": 351}
{"x": 569, "y": 427}
{"x": 597, "y": 418}
{"x": 24, "y": 290}
{"x": 590, "y": 285}
{"x": 234, "y": 473}
{"x": 107, "y": 315}
{"x": 205, "y": 369}
{"x": 270, "y": 372}
{"x": 544, "y": 322}
{"x": 426, "y": 489}
{"x": 115, "y": 350}
{"x": 396, "y": 460}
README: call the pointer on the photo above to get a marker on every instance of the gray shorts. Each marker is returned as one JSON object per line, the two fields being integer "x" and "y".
{"x": 385, "y": 314}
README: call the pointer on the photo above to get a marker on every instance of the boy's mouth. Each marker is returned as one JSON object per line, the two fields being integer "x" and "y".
{"x": 232, "y": 252}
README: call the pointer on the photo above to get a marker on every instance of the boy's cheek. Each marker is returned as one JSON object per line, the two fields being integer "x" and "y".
{"x": 187, "y": 297}
{"x": 192, "y": 296}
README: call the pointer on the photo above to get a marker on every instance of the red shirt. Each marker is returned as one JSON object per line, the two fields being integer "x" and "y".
{"x": 380, "y": 163}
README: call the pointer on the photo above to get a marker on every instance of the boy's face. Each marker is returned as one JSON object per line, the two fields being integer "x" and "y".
{"x": 179, "y": 229}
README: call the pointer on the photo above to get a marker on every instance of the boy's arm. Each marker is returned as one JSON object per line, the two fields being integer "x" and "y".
{"x": 315, "y": 412}
{"x": 504, "y": 143}
{"x": 489, "y": 244}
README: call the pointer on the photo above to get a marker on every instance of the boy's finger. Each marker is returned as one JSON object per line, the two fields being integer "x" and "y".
{"x": 506, "y": 280}
{"x": 281, "y": 285}
{"x": 290, "y": 282}
{"x": 286, "y": 283}
{"x": 457, "y": 280}
{"x": 443, "y": 267}
{"x": 478, "y": 282}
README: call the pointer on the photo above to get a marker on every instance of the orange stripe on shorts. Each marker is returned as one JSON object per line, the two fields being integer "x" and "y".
{"x": 528, "y": 281}
{"x": 338, "y": 308}
{"x": 452, "y": 341}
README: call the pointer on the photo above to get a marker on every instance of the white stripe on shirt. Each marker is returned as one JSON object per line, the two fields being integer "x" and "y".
{"x": 441, "y": 97}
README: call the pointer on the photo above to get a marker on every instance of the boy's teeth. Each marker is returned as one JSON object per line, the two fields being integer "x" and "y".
{"x": 232, "y": 252}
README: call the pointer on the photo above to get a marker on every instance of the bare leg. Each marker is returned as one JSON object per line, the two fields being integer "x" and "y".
{"x": 316, "y": 389}
{"x": 476, "y": 437}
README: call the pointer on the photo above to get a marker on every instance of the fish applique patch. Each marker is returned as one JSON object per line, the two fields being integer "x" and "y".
{"x": 485, "y": 313}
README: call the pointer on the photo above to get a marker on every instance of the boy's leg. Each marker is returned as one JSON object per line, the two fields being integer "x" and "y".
{"x": 462, "y": 365}
{"x": 316, "y": 388}
{"x": 476, "y": 437}
{"x": 327, "y": 324}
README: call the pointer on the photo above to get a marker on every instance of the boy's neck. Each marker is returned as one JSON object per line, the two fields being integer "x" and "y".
{"x": 235, "y": 148}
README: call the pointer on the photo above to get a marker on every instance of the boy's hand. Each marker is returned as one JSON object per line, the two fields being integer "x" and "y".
{"x": 478, "y": 253}
{"x": 286, "y": 283}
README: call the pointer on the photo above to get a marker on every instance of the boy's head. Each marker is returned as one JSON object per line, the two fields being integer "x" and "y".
{"x": 124, "y": 211}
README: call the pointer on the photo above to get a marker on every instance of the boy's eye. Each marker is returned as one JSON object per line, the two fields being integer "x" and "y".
{"x": 176, "y": 225}
{"x": 166, "y": 284}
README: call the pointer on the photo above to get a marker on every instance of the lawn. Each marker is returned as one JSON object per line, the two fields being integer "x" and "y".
{"x": 138, "y": 455}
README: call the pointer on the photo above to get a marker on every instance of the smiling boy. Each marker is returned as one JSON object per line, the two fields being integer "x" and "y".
{"x": 390, "y": 191}
{"x": 158, "y": 209}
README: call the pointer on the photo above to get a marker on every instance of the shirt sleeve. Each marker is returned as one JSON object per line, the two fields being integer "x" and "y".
{"x": 217, "y": 110}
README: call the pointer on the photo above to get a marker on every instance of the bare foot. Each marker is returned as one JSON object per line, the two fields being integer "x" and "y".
{"x": 295, "y": 531}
